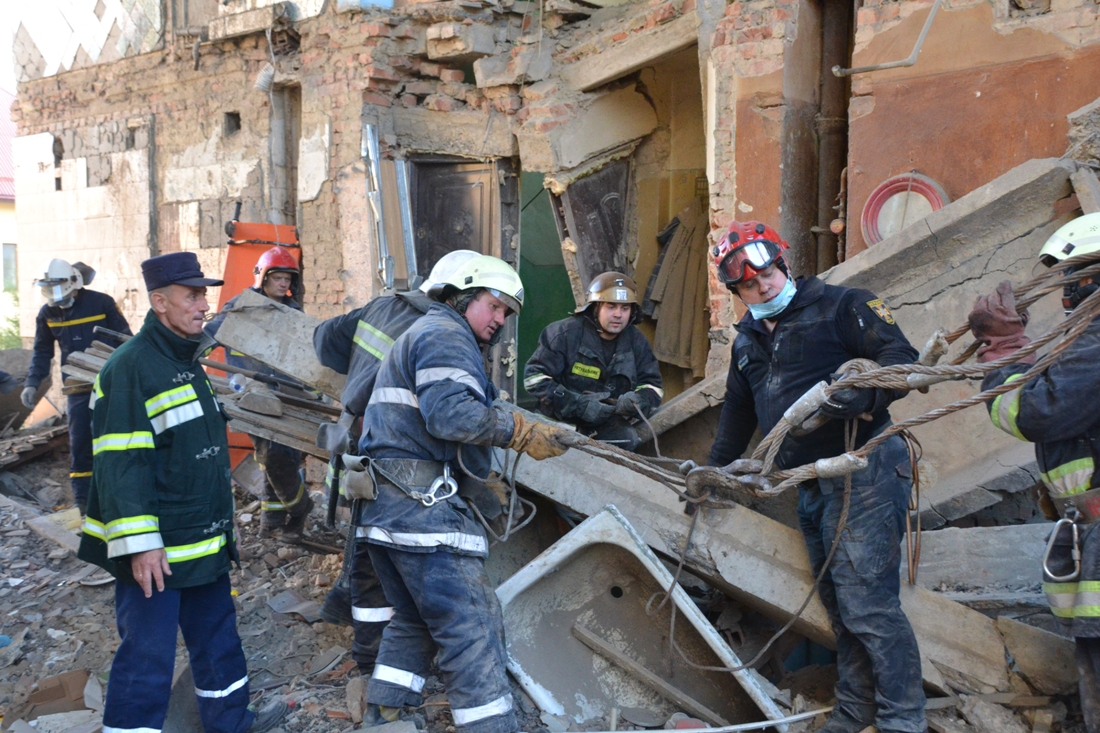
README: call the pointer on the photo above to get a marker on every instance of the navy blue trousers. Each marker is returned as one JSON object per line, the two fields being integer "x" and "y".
{"x": 878, "y": 662}
{"x": 141, "y": 676}
{"x": 80, "y": 447}
{"x": 370, "y": 610}
{"x": 442, "y": 602}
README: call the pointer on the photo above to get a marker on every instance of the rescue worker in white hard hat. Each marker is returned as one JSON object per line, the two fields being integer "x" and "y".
{"x": 286, "y": 502}
{"x": 68, "y": 319}
{"x": 430, "y": 418}
{"x": 1048, "y": 411}
{"x": 595, "y": 369}
{"x": 355, "y": 344}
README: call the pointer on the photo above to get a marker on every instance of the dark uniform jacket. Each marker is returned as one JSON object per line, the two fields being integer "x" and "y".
{"x": 431, "y": 398}
{"x": 1056, "y": 411}
{"x": 823, "y": 327}
{"x": 236, "y": 358}
{"x": 161, "y": 462}
{"x": 356, "y": 343}
{"x": 569, "y": 361}
{"x": 71, "y": 328}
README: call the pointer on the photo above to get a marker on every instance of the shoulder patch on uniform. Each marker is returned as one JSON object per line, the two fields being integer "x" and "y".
{"x": 586, "y": 370}
{"x": 881, "y": 310}
{"x": 742, "y": 362}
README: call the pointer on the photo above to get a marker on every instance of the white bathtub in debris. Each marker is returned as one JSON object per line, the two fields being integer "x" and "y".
{"x": 580, "y": 640}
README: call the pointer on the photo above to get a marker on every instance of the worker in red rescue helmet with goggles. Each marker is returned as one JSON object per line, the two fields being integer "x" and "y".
{"x": 796, "y": 334}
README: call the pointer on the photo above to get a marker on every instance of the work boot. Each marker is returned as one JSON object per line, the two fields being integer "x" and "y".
{"x": 269, "y": 716}
{"x": 271, "y": 522}
{"x": 336, "y": 608}
{"x": 839, "y": 722}
{"x": 296, "y": 521}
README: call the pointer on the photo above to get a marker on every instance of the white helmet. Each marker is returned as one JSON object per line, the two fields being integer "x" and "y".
{"x": 1080, "y": 236}
{"x": 60, "y": 283}
{"x": 446, "y": 266}
{"x": 483, "y": 271}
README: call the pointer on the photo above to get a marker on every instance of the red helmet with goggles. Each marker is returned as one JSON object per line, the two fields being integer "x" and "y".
{"x": 748, "y": 248}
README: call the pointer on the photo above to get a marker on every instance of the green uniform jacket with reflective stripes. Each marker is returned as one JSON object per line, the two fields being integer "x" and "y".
{"x": 161, "y": 477}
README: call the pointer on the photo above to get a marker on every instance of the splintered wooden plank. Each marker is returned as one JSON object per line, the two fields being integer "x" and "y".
{"x": 279, "y": 337}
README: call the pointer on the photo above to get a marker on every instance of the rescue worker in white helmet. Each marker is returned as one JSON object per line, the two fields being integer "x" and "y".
{"x": 1047, "y": 411}
{"x": 68, "y": 319}
{"x": 286, "y": 503}
{"x": 355, "y": 344}
{"x": 595, "y": 368}
{"x": 430, "y": 417}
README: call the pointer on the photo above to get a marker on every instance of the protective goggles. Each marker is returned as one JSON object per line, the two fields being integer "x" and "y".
{"x": 747, "y": 261}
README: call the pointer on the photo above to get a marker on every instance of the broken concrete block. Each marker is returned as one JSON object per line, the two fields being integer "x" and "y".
{"x": 262, "y": 401}
{"x": 248, "y": 21}
{"x": 1045, "y": 660}
{"x": 990, "y": 718}
{"x": 459, "y": 43}
{"x": 462, "y": 132}
{"x": 966, "y": 503}
{"x": 522, "y": 64}
{"x": 606, "y": 122}
{"x": 982, "y": 557}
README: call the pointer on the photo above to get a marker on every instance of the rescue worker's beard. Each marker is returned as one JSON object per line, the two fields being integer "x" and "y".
{"x": 461, "y": 300}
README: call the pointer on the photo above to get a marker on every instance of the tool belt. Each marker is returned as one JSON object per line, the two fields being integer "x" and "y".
{"x": 1087, "y": 505}
{"x": 428, "y": 482}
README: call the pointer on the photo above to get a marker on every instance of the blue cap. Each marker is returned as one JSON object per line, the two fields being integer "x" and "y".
{"x": 175, "y": 268}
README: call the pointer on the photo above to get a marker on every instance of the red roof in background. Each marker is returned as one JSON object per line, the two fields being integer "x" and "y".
{"x": 7, "y": 135}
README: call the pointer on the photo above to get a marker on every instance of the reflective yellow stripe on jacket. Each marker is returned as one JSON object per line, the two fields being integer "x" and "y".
{"x": 1070, "y": 478}
{"x": 1074, "y": 600}
{"x": 371, "y": 340}
{"x": 132, "y": 525}
{"x": 122, "y": 441}
{"x": 168, "y": 409}
{"x": 195, "y": 550}
{"x": 76, "y": 322}
{"x": 1006, "y": 409}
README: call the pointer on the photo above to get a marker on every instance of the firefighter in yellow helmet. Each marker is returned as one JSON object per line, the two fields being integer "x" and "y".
{"x": 595, "y": 368}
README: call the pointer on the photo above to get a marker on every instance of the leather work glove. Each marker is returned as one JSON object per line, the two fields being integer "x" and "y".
{"x": 593, "y": 410}
{"x": 849, "y": 403}
{"x": 27, "y": 397}
{"x": 995, "y": 323}
{"x": 629, "y": 404}
{"x": 537, "y": 439}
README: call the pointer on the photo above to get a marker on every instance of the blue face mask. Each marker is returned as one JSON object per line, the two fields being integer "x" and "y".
{"x": 776, "y": 305}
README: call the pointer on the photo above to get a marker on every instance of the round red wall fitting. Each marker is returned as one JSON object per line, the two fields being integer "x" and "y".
{"x": 897, "y": 203}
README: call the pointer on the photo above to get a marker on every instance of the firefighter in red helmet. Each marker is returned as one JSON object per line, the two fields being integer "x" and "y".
{"x": 286, "y": 503}
{"x": 797, "y": 333}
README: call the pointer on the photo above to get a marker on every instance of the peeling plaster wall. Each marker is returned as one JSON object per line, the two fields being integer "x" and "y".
{"x": 989, "y": 91}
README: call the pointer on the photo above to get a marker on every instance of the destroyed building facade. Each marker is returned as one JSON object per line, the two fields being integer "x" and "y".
{"x": 563, "y": 136}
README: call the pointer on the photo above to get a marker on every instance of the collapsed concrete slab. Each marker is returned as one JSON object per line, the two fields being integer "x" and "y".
{"x": 988, "y": 558}
{"x": 764, "y": 565}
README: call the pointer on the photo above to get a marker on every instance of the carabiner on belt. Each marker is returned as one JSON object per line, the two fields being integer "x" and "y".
{"x": 1075, "y": 552}
{"x": 431, "y": 498}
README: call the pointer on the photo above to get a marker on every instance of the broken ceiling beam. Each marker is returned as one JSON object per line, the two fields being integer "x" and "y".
{"x": 460, "y": 43}
{"x": 607, "y": 121}
{"x": 764, "y": 565}
{"x": 460, "y": 132}
{"x": 249, "y": 21}
{"x": 708, "y": 393}
{"x": 280, "y": 337}
{"x": 1087, "y": 189}
{"x": 632, "y": 54}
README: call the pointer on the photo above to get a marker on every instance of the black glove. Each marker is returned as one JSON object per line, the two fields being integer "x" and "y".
{"x": 849, "y": 403}
{"x": 628, "y": 404}
{"x": 592, "y": 410}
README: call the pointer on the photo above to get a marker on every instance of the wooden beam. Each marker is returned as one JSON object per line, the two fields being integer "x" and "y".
{"x": 708, "y": 393}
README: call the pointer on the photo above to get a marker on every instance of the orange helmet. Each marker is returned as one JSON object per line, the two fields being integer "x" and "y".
{"x": 747, "y": 248}
{"x": 276, "y": 259}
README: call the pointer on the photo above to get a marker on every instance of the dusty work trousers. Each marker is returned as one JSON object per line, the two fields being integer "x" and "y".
{"x": 285, "y": 492}
{"x": 878, "y": 663}
{"x": 442, "y": 602}
{"x": 141, "y": 675}
{"x": 80, "y": 447}
{"x": 1088, "y": 670}
{"x": 370, "y": 611}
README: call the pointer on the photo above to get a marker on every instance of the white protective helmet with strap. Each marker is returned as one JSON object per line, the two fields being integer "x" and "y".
{"x": 60, "y": 283}
{"x": 483, "y": 271}
{"x": 446, "y": 266}
{"x": 1080, "y": 237}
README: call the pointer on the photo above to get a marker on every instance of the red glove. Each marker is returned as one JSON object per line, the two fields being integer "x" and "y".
{"x": 995, "y": 323}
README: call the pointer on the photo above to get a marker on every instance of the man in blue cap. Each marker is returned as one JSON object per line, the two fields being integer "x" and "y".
{"x": 160, "y": 515}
